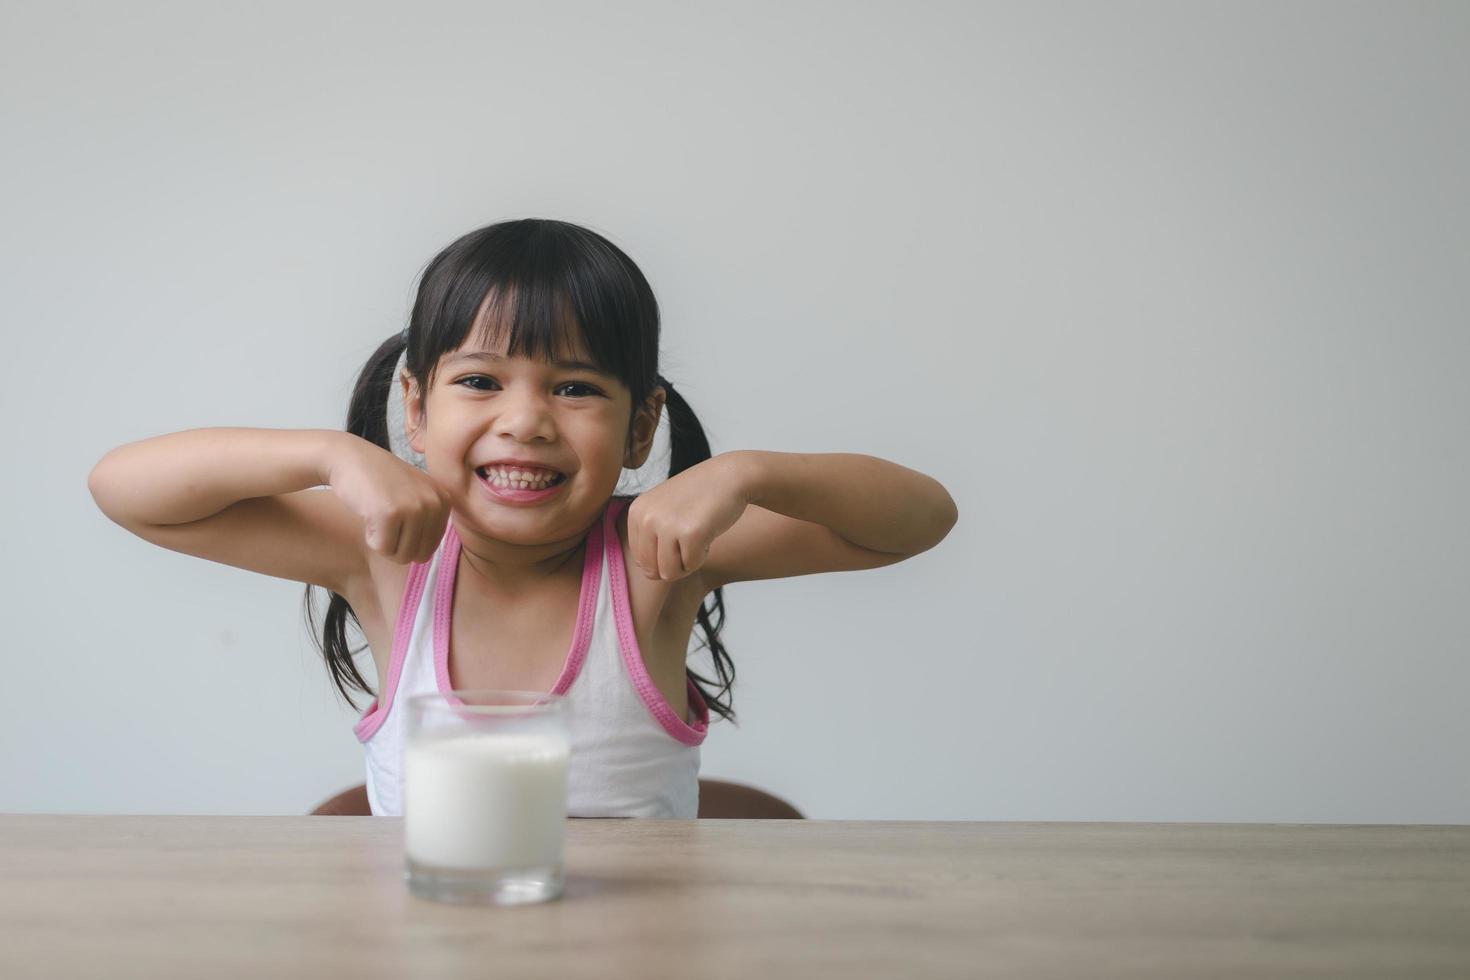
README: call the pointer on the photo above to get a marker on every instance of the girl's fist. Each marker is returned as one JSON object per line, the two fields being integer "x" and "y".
{"x": 671, "y": 527}
{"x": 403, "y": 510}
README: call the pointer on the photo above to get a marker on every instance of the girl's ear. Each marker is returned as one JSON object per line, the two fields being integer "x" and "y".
{"x": 413, "y": 413}
{"x": 640, "y": 435}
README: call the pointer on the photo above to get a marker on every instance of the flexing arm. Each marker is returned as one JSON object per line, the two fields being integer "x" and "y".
{"x": 867, "y": 501}
{"x": 186, "y": 476}
{"x": 754, "y": 515}
{"x": 243, "y": 497}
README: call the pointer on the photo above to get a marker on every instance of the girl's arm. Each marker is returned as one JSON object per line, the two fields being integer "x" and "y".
{"x": 755, "y": 515}
{"x": 243, "y": 497}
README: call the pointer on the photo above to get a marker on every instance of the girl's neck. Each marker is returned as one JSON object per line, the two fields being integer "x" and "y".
{"x": 512, "y": 567}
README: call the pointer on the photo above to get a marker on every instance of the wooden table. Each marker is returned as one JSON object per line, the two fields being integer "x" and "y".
{"x": 202, "y": 897}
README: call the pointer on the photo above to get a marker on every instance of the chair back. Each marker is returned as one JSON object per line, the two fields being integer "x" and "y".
{"x": 718, "y": 800}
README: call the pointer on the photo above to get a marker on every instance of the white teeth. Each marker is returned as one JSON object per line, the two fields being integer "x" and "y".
{"x": 517, "y": 479}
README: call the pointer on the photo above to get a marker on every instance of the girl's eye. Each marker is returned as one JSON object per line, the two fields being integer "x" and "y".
{"x": 578, "y": 390}
{"x": 483, "y": 382}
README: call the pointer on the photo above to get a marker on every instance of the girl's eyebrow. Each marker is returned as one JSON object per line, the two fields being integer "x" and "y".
{"x": 484, "y": 355}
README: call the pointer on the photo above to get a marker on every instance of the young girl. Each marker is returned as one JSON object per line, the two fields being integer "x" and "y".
{"x": 489, "y": 552}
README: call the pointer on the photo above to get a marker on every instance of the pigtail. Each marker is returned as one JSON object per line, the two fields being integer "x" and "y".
{"x": 688, "y": 446}
{"x": 367, "y": 419}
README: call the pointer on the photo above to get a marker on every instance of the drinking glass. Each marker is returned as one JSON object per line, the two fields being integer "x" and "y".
{"x": 485, "y": 796}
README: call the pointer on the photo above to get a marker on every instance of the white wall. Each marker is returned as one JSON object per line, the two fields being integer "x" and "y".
{"x": 1172, "y": 298}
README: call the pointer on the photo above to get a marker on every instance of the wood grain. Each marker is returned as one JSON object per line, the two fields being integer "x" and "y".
{"x": 127, "y": 896}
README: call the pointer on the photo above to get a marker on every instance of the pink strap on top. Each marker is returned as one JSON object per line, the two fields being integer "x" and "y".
{"x": 449, "y": 549}
{"x": 372, "y": 718}
{"x": 603, "y": 534}
{"x": 633, "y": 657}
{"x": 581, "y": 633}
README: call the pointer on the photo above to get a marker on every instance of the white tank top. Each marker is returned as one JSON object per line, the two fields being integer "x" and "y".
{"x": 632, "y": 756}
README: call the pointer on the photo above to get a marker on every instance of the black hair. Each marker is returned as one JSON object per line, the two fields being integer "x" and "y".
{"x": 558, "y": 281}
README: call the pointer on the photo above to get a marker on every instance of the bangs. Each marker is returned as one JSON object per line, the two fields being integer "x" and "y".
{"x": 543, "y": 290}
{"x": 540, "y": 325}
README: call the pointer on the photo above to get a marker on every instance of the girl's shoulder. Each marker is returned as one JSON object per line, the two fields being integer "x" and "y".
{"x": 377, "y": 603}
{"x": 664, "y": 616}
{"x": 663, "y": 612}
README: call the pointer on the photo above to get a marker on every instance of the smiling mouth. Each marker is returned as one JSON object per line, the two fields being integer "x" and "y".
{"x": 513, "y": 478}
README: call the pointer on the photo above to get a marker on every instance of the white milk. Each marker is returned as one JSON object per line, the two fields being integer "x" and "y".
{"x": 485, "y": 801}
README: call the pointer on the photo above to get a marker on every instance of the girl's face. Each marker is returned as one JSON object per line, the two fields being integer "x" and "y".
{"x": 529, "y": 449}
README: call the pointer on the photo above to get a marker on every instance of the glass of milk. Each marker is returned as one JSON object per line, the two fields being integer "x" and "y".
{"x": 485, "y": 796}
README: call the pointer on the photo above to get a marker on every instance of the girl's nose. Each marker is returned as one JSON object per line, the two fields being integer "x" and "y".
{"x": 525, "y": 417}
